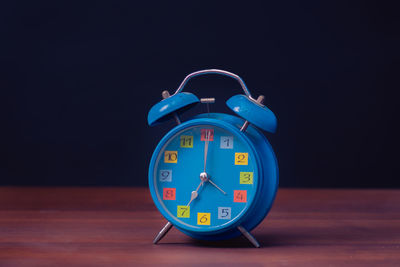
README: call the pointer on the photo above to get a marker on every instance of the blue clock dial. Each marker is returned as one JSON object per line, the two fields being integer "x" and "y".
{"x": 205, "y": 177}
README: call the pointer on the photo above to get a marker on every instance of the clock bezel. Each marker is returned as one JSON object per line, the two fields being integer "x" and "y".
{"x": 243, "y": 214}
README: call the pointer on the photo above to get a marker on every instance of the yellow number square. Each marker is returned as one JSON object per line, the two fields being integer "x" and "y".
{"x": 246, "y": 177}
{"x": 241, "y": 158}
{"x": 183, "y": 212}
{"x": 203, "y": 218}
{"x": 187, "y": 141}
{"x": 171, "y": 157}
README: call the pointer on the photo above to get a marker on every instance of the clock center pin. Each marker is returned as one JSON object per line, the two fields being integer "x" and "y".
{"x": 204, "y": 177}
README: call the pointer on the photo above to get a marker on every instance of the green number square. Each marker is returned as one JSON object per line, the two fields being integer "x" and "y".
{"x": 183, "y": 212}
{"x": 246, "y": 177}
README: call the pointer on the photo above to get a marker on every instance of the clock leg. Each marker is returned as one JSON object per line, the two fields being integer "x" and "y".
{"x": 249, "y": 236}
{"x": 162, "y": 233}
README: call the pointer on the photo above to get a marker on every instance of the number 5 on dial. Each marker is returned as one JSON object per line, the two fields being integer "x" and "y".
{"x": 224, "y": 213}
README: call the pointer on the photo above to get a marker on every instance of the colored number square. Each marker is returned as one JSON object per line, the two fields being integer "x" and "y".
{"x": 183, "y": 212}
{"x": 171, "y": 156}
{"x": 187, "y": 141}
{"x": 224, "y": 213}
{"x": 246, "y": 177}
{"x": 165, "y": 176}
{"x": 169, "y": 193}
{"x": 203, "y": 218}
{"x": 205, "y": 133}
{"x": 226, "y": 142}
{"x": 239, "y": 195}
{"x": 241, "y": 158}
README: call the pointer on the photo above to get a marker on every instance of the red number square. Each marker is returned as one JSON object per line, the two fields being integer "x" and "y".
{"x": 204, "y": 133}
{"x": 169, "y": 193}
{"x": 239, "y": 195}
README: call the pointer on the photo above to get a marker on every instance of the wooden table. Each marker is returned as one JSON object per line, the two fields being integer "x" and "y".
{"x": 116, "y": 226}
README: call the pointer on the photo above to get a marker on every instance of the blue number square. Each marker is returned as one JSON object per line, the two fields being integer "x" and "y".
{"x": 226, "y": 142}
{"x": 165, "y": 176}
{"x": 224, "y": 213}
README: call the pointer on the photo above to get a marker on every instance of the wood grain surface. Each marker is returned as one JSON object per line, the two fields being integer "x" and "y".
{"x": 116, "y": 226}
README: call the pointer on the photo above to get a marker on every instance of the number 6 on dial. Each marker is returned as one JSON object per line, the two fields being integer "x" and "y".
{"x": 203, "y": 218}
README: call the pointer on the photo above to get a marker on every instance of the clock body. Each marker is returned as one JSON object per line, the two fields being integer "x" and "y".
{"x": 242, "y": 172}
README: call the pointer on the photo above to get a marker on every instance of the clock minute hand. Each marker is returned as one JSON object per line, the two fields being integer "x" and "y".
{"x": 206, "y": 149}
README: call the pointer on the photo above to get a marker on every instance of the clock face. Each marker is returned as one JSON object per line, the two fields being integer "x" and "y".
{"x": 205, "y": 197}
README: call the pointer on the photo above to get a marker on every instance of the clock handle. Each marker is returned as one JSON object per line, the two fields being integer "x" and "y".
{"x": 214, "y": 71}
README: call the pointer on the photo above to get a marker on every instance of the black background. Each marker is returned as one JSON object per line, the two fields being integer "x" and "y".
{"x": 77, "y": 81}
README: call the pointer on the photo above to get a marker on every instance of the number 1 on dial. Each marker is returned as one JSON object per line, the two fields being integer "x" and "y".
{"x": 226, "y": 142}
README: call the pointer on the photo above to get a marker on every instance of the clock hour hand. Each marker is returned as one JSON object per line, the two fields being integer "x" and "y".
{"x": 216, "y": 186}
{"x": 204, "y": 177}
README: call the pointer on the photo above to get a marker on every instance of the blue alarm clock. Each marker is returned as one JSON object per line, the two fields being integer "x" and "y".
{"x": 214, "y": 176}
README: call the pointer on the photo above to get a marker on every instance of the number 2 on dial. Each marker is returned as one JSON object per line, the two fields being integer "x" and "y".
{"x": 241, "y": 158}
